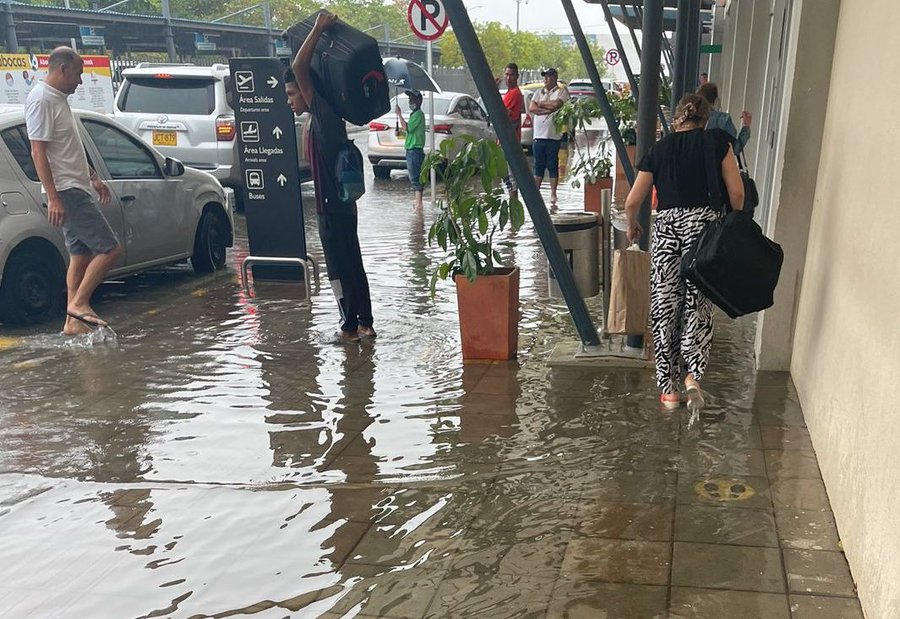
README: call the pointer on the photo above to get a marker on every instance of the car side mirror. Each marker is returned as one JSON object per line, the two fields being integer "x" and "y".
{"x": 174, "y": 167}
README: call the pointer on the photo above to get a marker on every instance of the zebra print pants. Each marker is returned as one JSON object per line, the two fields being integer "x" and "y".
{"x": 681, "y": 318}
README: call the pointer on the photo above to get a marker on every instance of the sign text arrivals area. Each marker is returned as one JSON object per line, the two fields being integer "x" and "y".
{"x": 267, "y": 150}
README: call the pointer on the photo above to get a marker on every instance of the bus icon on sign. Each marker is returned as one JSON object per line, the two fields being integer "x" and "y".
{"x": 255, "y": 179}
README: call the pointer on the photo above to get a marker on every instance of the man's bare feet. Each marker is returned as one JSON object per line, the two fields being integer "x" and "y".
{"x": 347, "y": 336}
{"x": 73, "y": 327}
{"x": 366, "y": 332}
{"x": 86, "y": 315}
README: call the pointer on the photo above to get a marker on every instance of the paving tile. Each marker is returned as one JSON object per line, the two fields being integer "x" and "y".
{"x": 803, "y": 494}
{"x": 745, "y": 492}
{"x": 792, "y": 464}
{"x": 622, "y": 561}
{"x": 723, "y": 525}
{"x": 585, "y": 599}
{"x": 512, "y": 553}
{"x": 629, "y": 486}
{"x": 722, "y": 462}
{"x": 689, "y": 603}
{"x": 816, "y": 607}
{"x": 818, "y": 571}
{"x": 783, "y": 437}
{"x": 788, "y": 413}
{"x": 714, "y": 566}
{"x": 639, "y": 521}
{"x": 725, "y": 434}
{"x": 393, "y": 545}
{"x": 497, "y": 596}
{"x": 370, "y": 591}
{"x": 809, "y": 530}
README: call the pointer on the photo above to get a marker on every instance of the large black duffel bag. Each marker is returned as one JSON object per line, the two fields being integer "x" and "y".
{"x": 732, "y": 261}
{"x": 348, "y": 70}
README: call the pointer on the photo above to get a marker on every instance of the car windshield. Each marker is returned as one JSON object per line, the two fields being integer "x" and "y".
{"x": 156, "y": 95}
{"x": 441, "y": 106}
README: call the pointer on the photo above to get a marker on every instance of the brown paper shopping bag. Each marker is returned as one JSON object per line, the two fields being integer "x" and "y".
{"x": 629, "y": 296}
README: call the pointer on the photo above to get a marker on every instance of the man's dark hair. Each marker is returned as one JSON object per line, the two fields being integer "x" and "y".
{"x": 289, "y": 76}
{"x": 710, "y": 92}
{"x": 514, "y": 67}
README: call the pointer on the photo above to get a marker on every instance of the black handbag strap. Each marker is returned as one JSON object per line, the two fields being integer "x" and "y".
{"x": 712, "y": 173}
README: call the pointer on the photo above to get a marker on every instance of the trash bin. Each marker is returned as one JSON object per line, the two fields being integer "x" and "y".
{"x": 580, "y": 240}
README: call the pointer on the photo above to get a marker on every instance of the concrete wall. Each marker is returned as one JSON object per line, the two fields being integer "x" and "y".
{"x": 846, "y": 361}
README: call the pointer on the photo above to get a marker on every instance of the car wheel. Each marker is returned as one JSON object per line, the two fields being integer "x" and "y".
{"x": 382, "y": 173}
{"x": 33, "y": 288}
{"x": 210, "y": 243}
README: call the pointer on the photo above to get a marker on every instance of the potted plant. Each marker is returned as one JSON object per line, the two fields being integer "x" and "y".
{"x": 591, "y": 167}
{"x": 473, "y": 210}
{"x": 623, "y": 108}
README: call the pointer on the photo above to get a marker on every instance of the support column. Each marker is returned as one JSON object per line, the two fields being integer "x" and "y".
{"x": 618, "y": 41}
{"x": 168, "y": 33}
{"x": 518, "y": 166}
{"x": 681, "y": 49}
{"x": 12, "y": 42}
{"x": 693, "y": 52}
{"x": 652, "y": 32}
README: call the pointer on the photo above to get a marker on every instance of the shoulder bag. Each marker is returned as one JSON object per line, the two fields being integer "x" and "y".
{"x": 732, "y": 262}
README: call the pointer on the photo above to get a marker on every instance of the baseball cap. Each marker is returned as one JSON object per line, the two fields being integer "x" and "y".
{"x": 413, "y": 93}
{"x": 550, "y": 71}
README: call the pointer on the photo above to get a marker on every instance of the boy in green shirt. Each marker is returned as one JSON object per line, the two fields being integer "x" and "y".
{"x": 415, "y": 141}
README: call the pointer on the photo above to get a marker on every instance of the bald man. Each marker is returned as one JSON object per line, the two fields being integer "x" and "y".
{"x": 68, "y": 183}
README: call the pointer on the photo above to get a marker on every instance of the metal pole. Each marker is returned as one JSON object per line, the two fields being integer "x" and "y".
{"x": 169, "y": 34}
{"x": 651, "y": 31}
{"x": 512, "y": 148}
{"x": 618, "y": 41}
{"x": 626, "y": 15}
{"x": 681, "y": 46}
{"x": 429, "y": 60}
{"x": 605, "y": 249}
{"x": 611, "y": 122}
{"x": 267, "y": 16}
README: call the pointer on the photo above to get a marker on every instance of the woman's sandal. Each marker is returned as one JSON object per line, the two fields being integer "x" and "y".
{"x": 694, "y": 395}
{"x": 670, "y": 401}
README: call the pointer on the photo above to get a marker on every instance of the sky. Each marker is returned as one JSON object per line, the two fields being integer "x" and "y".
{"x": 537, "y": 15}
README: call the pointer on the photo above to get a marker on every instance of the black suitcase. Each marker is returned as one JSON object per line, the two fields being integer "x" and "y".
{"x": 348, "y": 69}
{"x": 732, "y": 262}
{"x": 734, "y": 265}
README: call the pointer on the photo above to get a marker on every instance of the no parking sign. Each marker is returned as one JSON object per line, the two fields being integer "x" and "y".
{"x": 427, "y": 18}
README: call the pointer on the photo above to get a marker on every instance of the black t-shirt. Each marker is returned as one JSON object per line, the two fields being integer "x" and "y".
{"x": 679, "y": 168}
{"x": 327, "y": 135}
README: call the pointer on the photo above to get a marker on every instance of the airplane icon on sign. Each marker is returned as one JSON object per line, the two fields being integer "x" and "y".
{"x": 250, "y": 131}
{"x": 244, "y": 81}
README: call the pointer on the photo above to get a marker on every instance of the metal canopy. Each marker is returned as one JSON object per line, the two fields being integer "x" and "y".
{"x": 633, "y": 17}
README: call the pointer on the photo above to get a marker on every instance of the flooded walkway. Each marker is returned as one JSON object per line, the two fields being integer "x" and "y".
{"x": 228, "y": 458}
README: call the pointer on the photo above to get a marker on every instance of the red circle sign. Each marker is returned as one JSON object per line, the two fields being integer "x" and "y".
{"x": 612, "y": 57}
{"x": 427, "y": 18}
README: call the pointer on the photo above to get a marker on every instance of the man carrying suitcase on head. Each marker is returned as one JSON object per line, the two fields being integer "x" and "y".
{"x": 337, "y": 220}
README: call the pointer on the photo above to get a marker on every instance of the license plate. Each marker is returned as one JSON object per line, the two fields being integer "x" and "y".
{"x": 165, "y": 138}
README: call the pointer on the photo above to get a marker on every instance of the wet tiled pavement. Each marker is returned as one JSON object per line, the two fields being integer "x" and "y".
{"x": 227, "y": 458}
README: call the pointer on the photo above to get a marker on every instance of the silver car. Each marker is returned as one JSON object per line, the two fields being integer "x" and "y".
{"x": 161, "y": 211}
{"x": 455, "y": 114}
{"x": 183, "y": 110}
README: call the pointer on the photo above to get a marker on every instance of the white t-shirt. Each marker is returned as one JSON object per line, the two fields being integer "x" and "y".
{"x": 544, "y": 129}
{"x": 49, "y": 119}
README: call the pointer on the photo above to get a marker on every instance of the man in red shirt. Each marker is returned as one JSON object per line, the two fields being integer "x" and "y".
{"x": 515, "y": 107}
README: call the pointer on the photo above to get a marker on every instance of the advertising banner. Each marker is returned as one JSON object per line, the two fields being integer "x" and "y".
{"x": 20, "y": 72}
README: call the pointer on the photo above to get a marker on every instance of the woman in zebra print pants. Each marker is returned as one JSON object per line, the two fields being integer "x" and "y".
{"x": 681, "y": 317}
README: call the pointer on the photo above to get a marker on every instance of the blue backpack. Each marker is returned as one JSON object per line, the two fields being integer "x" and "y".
{"x": 348, "y": 168}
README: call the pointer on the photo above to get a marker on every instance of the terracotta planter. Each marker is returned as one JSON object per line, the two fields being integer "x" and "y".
{"x": 592, "y": 194}
{"x": 622, "y": 185}
{"x": 489, "y": 314}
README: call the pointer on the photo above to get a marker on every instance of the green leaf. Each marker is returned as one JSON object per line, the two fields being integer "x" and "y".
{"x": 516, "y": 214}
{"x": 482, "y": 222}
{"x": 504, "y": 215}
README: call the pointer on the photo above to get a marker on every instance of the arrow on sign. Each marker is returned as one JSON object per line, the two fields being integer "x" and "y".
{"x": 282, "y": 179}
{"x": 277, "y": 132}
{"x": 272, "y": 82}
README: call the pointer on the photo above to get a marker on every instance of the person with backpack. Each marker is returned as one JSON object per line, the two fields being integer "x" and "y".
{"x": 681, "y": 317}
{"x": 335, "y": 195}
{"x": 415, "y": 142}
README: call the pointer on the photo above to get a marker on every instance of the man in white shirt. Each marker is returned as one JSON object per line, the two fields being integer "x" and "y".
{"x": 546, "y": 137}
{"x": 67, "y": 181}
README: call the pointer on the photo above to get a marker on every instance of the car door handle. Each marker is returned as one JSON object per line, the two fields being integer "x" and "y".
{"x": 128, "y": 198}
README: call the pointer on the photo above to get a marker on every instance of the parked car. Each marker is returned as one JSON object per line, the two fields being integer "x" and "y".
{"x": 527, "y": 123}
{"x": 184, "y": 111}
{"x": 585, "y": 88}
{"x": 455, "y": 114}
{"x": 161, "y": 211}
